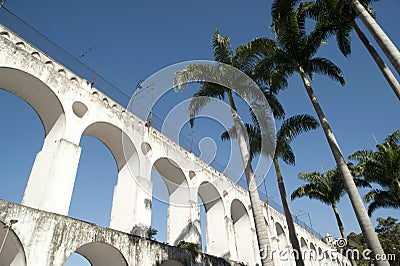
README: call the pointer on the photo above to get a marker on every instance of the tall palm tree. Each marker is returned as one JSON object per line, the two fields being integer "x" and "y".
{"x": 328, "y": 188}
{"x": 290, "y": 128}
{"x": 379, "y": 35}
{"x": 381, "y": 167}
{"x": 339, "y": 19}
{"x": 223, "y": 53}
{"x": 294, "y": 51}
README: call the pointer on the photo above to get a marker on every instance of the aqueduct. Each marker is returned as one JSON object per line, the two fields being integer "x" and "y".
{"x": 69, "y": 107}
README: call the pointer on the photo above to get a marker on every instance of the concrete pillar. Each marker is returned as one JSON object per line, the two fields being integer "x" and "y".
{"x": 184, "y": 223}
{"x": 131, "y": 207}
{"x": 231, "y": 237}
{"x": 217, "y": 231}
{"x": 52, "y": 178}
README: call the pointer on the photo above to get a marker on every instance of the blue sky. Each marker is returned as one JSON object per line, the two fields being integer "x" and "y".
{"x": 127, "y": 41}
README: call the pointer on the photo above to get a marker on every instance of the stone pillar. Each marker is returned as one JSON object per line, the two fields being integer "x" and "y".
{"x": 131, "y": 207}
{"x": 52, "y": 178}
{"x": 232, "y": 239}
{"x": 183, "y": 218}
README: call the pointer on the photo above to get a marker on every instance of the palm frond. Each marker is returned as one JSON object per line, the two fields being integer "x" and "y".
{"x": 294, "y": 126}
{"x": 324, "y": 66}
{"x": 221, "y": 48}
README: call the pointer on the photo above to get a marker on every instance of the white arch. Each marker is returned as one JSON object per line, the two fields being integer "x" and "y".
{"x": 216, "y": 231}
{"x": 101, "y": 254}
{"x": 242, "y": 231}
{"x": 182, "y": 223}
{"x": 13, "y": 252}
{"x": 38, "y": 95}
{"x": 118, "y": 142}
{"x": 283, "y": 245}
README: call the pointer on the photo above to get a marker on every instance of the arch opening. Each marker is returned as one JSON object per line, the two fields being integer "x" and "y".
{"x": 13, "y": 252}
{"x": 19, "y": 146}
{"x": 215, "y": 227}
{"x": 38, "y": 95}
{"x": 171, "y": 205}
{"x": 283, "y": 244}
{"x": 243, "y": 233}
{"x": 108, "y": 157}
{"x": 100, "y": 254}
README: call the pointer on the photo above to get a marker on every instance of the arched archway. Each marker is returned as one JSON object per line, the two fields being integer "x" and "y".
{"x": 181, "y": 224}
{"x": 115, "y": 182}
{"x": 283, "y": 245}
{"x": 13, "y": 252}
{"x": 18, "y": 145}
{"x": 243, "y": 233}
{"x": 313, "y": 254}
{"x": 50, "y": 111}
{"x": 305, "y": 250}
{"x": 101, "y": 254}
{"x": 216, "y": 234}
{"x": 38, "y": 95}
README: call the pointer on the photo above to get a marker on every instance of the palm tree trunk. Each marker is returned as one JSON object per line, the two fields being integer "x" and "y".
{"x": 339, "y": 221}
{"x": 256, "y": 204}
{"x": 288, "y": 214}
{"x": 342, "y": 232}
{"x": 378, "y": 60}
{"x": 355, "y": 198}
{"x": 379, "y": 35}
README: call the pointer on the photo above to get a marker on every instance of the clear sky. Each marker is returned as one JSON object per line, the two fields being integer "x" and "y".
{"x": 127, "y": 41}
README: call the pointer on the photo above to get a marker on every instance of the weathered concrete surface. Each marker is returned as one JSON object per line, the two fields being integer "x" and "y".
{"x": 48, "y": 239}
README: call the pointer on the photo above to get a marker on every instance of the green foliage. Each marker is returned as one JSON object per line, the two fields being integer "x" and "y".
{"x": 192, "y": 247}
{"x": 151, "y": 233}
{"x": 381, "y": 167}
{"x": 388, "y": 231}
{"x": 327, "y": 187}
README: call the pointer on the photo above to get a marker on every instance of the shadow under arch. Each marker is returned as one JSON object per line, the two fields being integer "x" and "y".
{"x": 101, "y": 254}
{"x": 216, "y": 234}
{"x": 13, "y": 252}
{"x": 38, "y": 95}
{"x": 243, "y": 232}
{"x": 303, "y": 244}
{"x": 171, "y": 262}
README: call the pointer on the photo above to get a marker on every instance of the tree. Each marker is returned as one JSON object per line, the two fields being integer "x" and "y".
{"x": 379, "y": 35}
{"x": 151, "y": 233}
{"x": 339, "y": 19}
{"x": 294, "y": 51}
{"x": 388, "y": 231}
{"x": 289, "y": 130}
{"x": 381, "y": 167}
{"x": 223, "y": 53}
{"x": 328, "y": 188}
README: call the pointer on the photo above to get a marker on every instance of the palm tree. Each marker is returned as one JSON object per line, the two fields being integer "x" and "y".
{"x": 294, "y": 51}
{"x": 290, "y": 128}
{"x": 381, "y": 167}
{"x": 328, "y": 188}
{"x": 223, "y": 54}
{"x": 339, "y": 19}
{"x": 379, "y": 35}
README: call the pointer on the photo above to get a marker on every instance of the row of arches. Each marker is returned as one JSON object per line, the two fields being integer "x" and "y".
{"x": 68, "y": 114}
{"x": 51, "y": 115}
